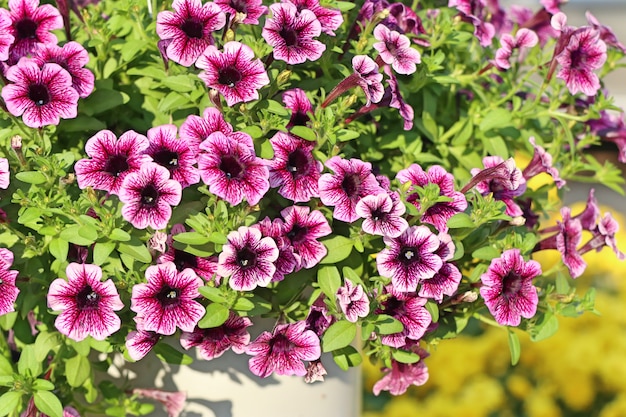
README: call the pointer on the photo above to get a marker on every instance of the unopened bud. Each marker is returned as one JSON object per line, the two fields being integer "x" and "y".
{"x": 239, "y": 17}
{"x": 283, "y": 77}
{"x": 229, "y": 35}
{"x": 214, "y": 96}
{"x": 157, "y": 242}
{"x": 466, "y": 297}
{"x": 16, "y": 143}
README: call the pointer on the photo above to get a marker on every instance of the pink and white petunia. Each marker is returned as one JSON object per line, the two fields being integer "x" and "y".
{"x": 6, "y": 38}
{"x": 173, "y": 402}
{"x": 366, "y": 75}
{"x": 148, "y": 195}
{"x": 524, "y": 38}
{"x": 8, "y": 290}
{"x": 303, "y": 227}
{"x": 330, "y": 19}
{"x": 401, "y": 376}
{"x": 584, "y": 53}
{"x": 140, "y": 342}
{"x": 196, "y": 129}
{"x": 248, "y": 259}
{"x": 174, "y": 154}
{"x": 409, "y": 310}
{"x": 353, "y": 301}
{"x": 446, "y": 281}
{"x": 213, "y": 342}
{"x": 5, "y": 173}
{"x": 250, "y": 9}
{"x": 283, "y": 350}
{"x": 287, "y": 260}
{"x": 111, "y": 160}
{"x": 382, "y": 214}
{"x": 72, "y": 57}
{"x": 395, "y": 50}
{"x": 233, "y": 72}
{"x": 167, "y": 300}
{"x": 41, "y": 95}
{"x": 300, "y": 106}
{"x": 188, "y": 29}
{"x": 206, "y": 268}
{"x": 87, "y": 304}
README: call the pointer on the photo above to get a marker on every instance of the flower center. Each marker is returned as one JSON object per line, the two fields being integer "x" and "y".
{"x": 289, "y": 35}
{"x": 192, "y": 29}
{"x": 229, "y": 76}
{"x": 300, "y": 119}
{"x": 297, "y": 162}
{"x": 280, "y": 344}
{"x": 240, "y": 5}
{"x": 378, "y": 214}
{"x": 39, "y": 94}
{"x": 391, "y": 48}
{"x": 246, "y": 258}
{"x": 116, "y": 164}
{"x": 297, "y": 233}
{"x": 26, "y": 29}
{"x": 409, "y": 255}
{"x": 87, "y": 299}
{"x": 511, "y": 284}
{"x": 166, "y": 158}
{"x": 231, "y": 167}
{"x": 184, "y": 260}
{"x": 394, "y": 307}
{"x": 149, "y": 195}
{"x": 168, "y": 296}
{"x": 350, "y": 185}
{"x": 577, "y": 59}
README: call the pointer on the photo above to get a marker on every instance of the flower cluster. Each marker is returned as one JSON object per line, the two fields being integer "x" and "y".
{"x": 336, "y": 166}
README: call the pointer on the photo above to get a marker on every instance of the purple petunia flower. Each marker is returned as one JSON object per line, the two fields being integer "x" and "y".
{"x": 111, "y": 160}
{"x": 248, "y": 259}
{"x": 524, "y": 38}
{"x": 300, "y": 106}
{"x": 315, "y": 371}
{"x": 319, "y": 318}
{"x": 439, "y": 213}
{"x": 508, "y": 290}
{"x": 173, "y": 154}
{"x": 72, "y": 57}
{"x": 8, "y": 290}
{"x": 287, "y": 260}
{"x": 293, "y": 168}
{"x": 189, "y": 29}
{"x": 291, "y": 34}
{"x": 604, "y": 235}
{"x": 610, "y": 127}
{"x": 6, "y": 38}
{"x": 5, "y": 173}
{"x": 233, "y": 72}
{"x": 173, "y": 402}
{"x": 606, "y": 33}
{"x": 402, "y": 375}
{"x": 232, "y": 170}
{"x": 366, "y": 75}
{"x": 87, "y": 304}
{"x": 404, "y": 20}
{"x": 148, "y": 195}
{"x": 409, "y": 309}
{"x": 31, "y": 26}
{"x": 446, "y": 281}
{"x": 140, "y": 342}
{"x": 42, "y": 96}
{"x": 166, "y": 301}
{"x": 303, "y": 227}
{"x": 409, "y": 258}
{"x": 476, "y": 12}
{"x": 395, "y": 50}
{"x": 283, "y": 350}
{"x": 353, "y": 301}
{"x": 330, "y": 19}
{"x": 205, "y": 268}
{"x": 196, "y": 129}
{"x": 351, "y": 181}
{"x": 250, "y": 9}
{"x": 383, "y": 214}
{"x": 213, "y": 342}
{"x": 541, "y": 162}
{"x": 584, "y": 53}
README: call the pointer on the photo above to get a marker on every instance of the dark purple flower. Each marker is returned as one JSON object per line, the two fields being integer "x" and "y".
{"x": 293, "y": 168}
{"x": 524, "y": 38}
{"x": 446, "y": 281}
{"x": 508, "y": 290}
{"x": 232, "y": 170}
{"x": 402, "y": 375}
{"x": 409, "y": 309}
{"x": 395, "y": 50}
{"x": 5, "y": 173}
{"x": 148, "y": 195}
{"x": 6, "y": 38}
{"x": 351, "y": 181}
{"x": 287, "y": 260}
{"x": 366, "y": 75}
{"x": 250, "y": 9}
{"x": 353, "y": 301}
{"x": 233, "y": 72}
{"x": 319, "y": 318}
{"x": 283, "y": 350}
{"x": 410, "y": 258}
{"x": 31, "y": 27}
{"x": 584, "y": 53}
{"x": 248, "y": 259}
{"x": 140, "y": 342}
{"x": 604, "y": 235}
{"x": 189, "y": 28}
{"x": 300, "y": 106}
{"x": 476, "y": 12}
{"x": 303, "y": 227}
{"x": 291, "y": 34}
{"x": 404, "y": 20}
{"x": 566, "y": 241}
{"x": 213, "y": 342}
{"x": 205, "y": 268}
{"x": 382, "y": 214}
{"x": 42, "y": 96}
{"x": 196, "y": 129}
{"x": 611, "y": 128}
{"x": 166, "y": 301}
{"x": 397, "y": 102}
{"x": 8, "y": 290}
{"x": 606, "y": 33}
{"x": 541, "y": 162}
{"x": 72, "y": 57}
{"x": 174, "y": 154}
{"x": 87, "y": 304}
{"x": 111, "y": 160}
{"x": 439, "y": 213}
{"x": 330, "y": 19}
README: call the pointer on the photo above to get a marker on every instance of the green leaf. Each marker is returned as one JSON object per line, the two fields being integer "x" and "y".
{"x": 405, "y": 357}
{"x": 173, "y": 101}
{"x": 496, "y": 146}
{"x": 344, "y": 6}
{"x": 495, "y": 119}
{"x": 339, "y": 248}
{"x": 181, "y": 83}
{"x": 101, "y": 252}
{"x": 28, "y": 363}
{"x": 71, "y": 234}
{"x": 386, "y": 324}
{"x": 77, "y": 370}
{"x": 304, "y": 132}
{"x": 213, "y": 294}
{"x": 344, "y": 135}
{"x": 347, "y": 357}
{"x": 170, "y": 355}
{"x": 48, "y": 403}
{"x": 88, "y": 232}
{"x": 349, "y": 273}
{"x": 119, "y": 235}
{"x": 59, "y": 248}
{"x": 43, "y": 385}
{"x": 276, "y": 108}
{"x": 433, "y": 309}
{"x": 45, "y": 342}
{"x": 548, "y": 325}
{"x": 486, "y": 253}
{"x": 102, "y": 100}
{"x": 31, "y": 177}
{"x": 216, "y": 315}
{"x": 5, "y": 366}
{"x": 9, "y": 402}
{"x": 460, "y": 220}
{"x": 338, "y": 335}
{"x": 135, "y": 250}
{"x": 329, "y": 280}
{"x": 30, "y": 215}
{"x": 515, "y": 347}
{"x": 191, "y": 238}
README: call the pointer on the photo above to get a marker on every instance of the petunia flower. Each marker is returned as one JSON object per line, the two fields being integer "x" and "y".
{"x": 250, "y": 9}
{"x": 508, "y": 290}
{"x": 584, "y": 53}
{"x": 446, "y": 281}
{"x": 604, "y": 235}
{"x": 476, "y": 13}
{"x": 72, "y": 57}
{"x": 111, "y": 160}
{"x": 401, "y": 376}
{"x": 291, "y": 34}
{"x": 213, "y": 342}
{"x": 352, "y": 180}
{"x": 232, "y": 170}
{"x": 330, "y": 19}
{"x": 6, "y": 37}
{"x": 172, "y": 153}
{"x": 31, "y": 26}
{"x": 300, "y": 106}
{"x": 382, "y": 214}
{"x": 196, "y": 129}
{"x": 173, "y": 402}
{"x": 403, "y": 19}
{"x": 140, "y": 342}
{"x": 303, "y": 227}
{"x": 248, "y": 259}
{"x": 315, "y": 371}
{"x": 353, "y": 301}
{"x": 233, "y": 72}
{"x": 366, "y": 75}
{"x": 189, "y": 29}
{"x": 409, "y": 258}
{"x": 148, "y": 195}
{"x": 166, "y": 301}
{"x": 395, "y": 50}
{"x": 8, "y": 290}
{"x": 409, "y": 310}
{"x": 606, "y": 33}
{"x": 42, "y": 96}
{"x": 524, "y": 38}
{"x": 541, "y": 162}
{"x": 319, "y": 318}
{"x": 293, "y": 168}
{"x": 287, "y": 260}
{"x": 283, "y": 350}
{"x": 5, "y": 173}
{"x": 87, "y": 304}
{"x": 205, "y": 268}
